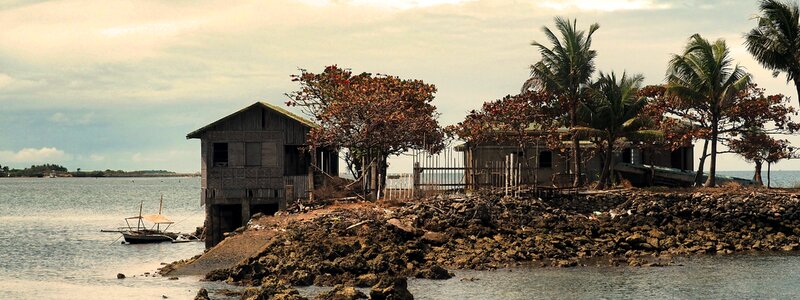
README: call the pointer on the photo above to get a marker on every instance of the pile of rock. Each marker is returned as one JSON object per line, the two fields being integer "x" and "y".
{"x": 371, "y": 244}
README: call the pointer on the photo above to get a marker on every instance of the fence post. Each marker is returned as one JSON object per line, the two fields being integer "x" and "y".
{"x": 373, "y": 182}
{"x": 311, "y": 175}
{"x": 416, "y": 178}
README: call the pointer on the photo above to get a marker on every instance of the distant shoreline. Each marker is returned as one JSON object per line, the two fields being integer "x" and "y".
{"x": 111, "y": 176}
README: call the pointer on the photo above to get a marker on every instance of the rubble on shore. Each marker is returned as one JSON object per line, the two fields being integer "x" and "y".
{"x": 365, "y": 246}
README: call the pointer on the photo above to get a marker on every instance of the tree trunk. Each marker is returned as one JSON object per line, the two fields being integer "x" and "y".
{"x": 769, "y": 165}
{"x": 606, "y": 173}
{"x": 797, "y": 86}
{"x": 383, "y": 167}
{"x": 757, "y": 176}
{"x": 576, "y": 147}
{"x": 698, "y": 177}
{"x": 652, "y": 177}
{"x": 373, "y": 179}
{"x": 712, "y": 170}
{"x": 363, "y": 177}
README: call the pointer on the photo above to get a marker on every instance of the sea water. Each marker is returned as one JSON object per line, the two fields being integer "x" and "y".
{"x": 51, "y": 247}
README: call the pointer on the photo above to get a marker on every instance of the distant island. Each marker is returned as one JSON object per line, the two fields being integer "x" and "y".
{"x": 53, "y": 170}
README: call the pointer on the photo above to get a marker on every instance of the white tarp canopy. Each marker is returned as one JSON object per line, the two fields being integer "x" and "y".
{"x": 158, "y": 219}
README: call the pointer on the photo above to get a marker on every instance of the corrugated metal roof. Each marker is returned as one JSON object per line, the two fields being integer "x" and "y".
{"x": 305, "y": 122}
{"x": 289, "y": 114}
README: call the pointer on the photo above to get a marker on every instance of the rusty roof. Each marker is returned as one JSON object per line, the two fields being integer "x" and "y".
{"x": 303, "y": 121}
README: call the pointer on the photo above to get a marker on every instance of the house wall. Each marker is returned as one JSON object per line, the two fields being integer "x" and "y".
{"x": 479, "y": 158}
{"x": 234, "y": 192}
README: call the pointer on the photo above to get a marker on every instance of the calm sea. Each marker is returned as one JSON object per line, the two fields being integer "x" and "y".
{"x": 51, "y": 247}
{"x": 785, "y": 179}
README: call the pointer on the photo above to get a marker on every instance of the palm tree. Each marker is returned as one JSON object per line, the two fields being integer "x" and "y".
{"x": 613, "y": 112}
{"x": 706, "y": 76}
{"x": 775, "y": 41}
{"x": 565, "y": 68}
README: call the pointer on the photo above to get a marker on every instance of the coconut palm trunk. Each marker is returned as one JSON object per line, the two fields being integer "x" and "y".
{"x": 576, "y": 151}
{"x": 712, "y": 170}
{"x": 605, "y": 176}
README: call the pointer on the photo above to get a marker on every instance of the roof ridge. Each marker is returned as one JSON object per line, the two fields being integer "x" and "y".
{"x": 264, "y": 104}
{"x": 289, "y": 114}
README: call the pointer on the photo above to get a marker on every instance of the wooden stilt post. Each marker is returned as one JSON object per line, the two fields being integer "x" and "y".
{"x": 311, "y": 175}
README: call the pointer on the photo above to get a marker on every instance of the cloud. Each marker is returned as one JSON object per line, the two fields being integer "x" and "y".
{"x": 8, "y": 83}
{"x": 153, "y": 29}
{"x": 393, "y": 4}
{"x": 160, "y": 156}
{"x": 607, "y": 6}
{"x": 64, "y": 119}
{"x": 33, "y": 155}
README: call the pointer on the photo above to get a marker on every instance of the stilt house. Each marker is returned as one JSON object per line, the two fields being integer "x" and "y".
{"x": 255, "y": 160}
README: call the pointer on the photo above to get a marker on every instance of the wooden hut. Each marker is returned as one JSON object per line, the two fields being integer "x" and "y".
{"x": 255, "y": 160}
{"x": 486, "y": 163}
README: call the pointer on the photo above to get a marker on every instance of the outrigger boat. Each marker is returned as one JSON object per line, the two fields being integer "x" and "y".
{"x": 141, "y": 234}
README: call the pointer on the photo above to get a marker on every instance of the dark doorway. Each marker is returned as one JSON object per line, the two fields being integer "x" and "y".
{"x": 223, "y": 218}
{"x": 266, "y": 209}
{"x": 296, "y": 160}
{"x": 545, "y": 159}
{"x": 627, "y": 155}
{"x": 676, "y": 159}
{"x": 230, "y": 217}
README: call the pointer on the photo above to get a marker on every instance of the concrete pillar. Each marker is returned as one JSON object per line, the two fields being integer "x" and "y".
{"x": 213, "y": 236}
{"x": 245, "y": 211}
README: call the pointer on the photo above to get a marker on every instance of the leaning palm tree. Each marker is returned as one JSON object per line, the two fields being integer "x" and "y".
{"x": 612, "y": 112}
{"x": 706, "y": 77}
{"x": 565, "y": 68}
{"x": 775, "y": 41}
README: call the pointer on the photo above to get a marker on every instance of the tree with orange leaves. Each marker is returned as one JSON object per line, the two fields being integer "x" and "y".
{"x": 758, "y": 147}
{"x": 373, "y": 116}
{"x": 747, "y": 111}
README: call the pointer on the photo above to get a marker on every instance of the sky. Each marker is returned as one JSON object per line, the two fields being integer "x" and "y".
{"x": 97, "y": 84}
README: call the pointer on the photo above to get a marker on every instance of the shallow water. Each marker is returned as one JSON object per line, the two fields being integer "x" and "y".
{"x": 51, "y": 247}
{"x": 722, "y": 277}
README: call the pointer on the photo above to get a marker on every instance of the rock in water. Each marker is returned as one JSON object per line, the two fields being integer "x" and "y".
{"x": 340, "y": 292}
{"x": 120, "y": 276}
{"x": 392, "y": 288}
{"x": 271, "y": 288}
{"x": 202, "y": 294}
{"x": 434, "y": 272}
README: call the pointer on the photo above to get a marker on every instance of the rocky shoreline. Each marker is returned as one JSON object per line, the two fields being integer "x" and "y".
{"x": 373, "y": 245}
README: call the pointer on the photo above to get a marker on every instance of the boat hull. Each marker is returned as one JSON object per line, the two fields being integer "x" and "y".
{"x": 145, "y": 238}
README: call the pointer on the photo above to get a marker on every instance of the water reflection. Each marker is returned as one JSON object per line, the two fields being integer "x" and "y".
{"x": 724, "y": 277}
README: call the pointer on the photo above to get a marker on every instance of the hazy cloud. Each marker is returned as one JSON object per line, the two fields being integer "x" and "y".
{"x": 393, "y": 4}
{"x": 160, "y": 156}
{"x": 63, "y": 119}
{"x": 607, "y": 5}
{"x": 32, "y": 155}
